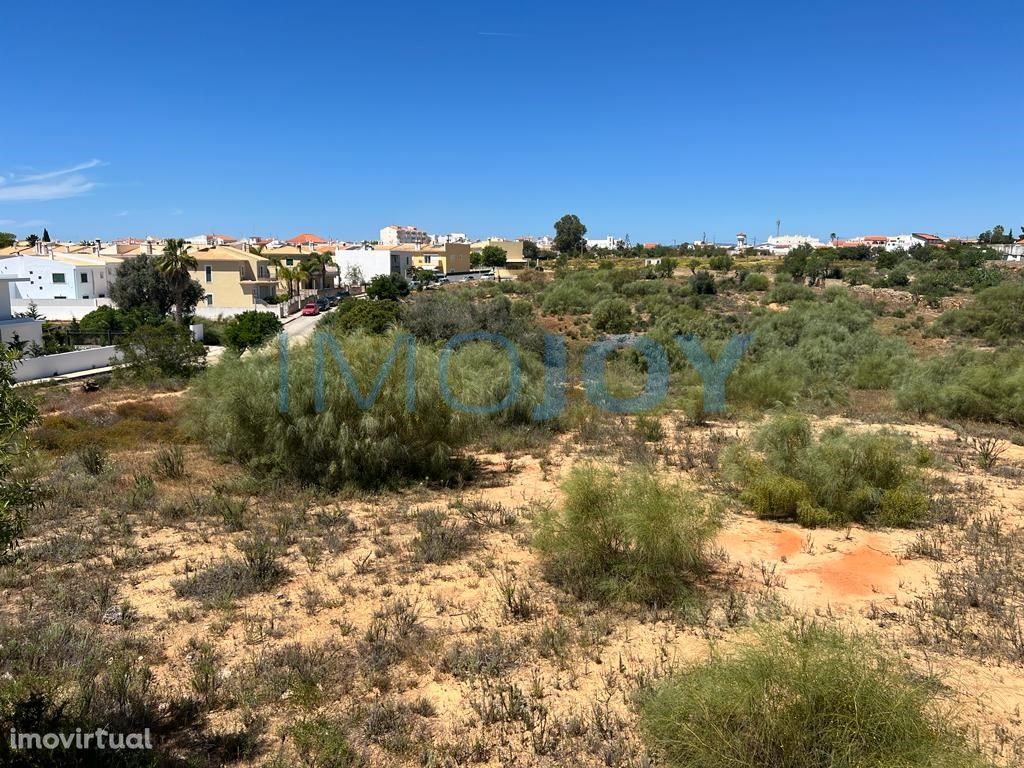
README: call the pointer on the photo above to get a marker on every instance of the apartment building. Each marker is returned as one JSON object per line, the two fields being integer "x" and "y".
{"x": 451, "y": 237}
{"x": 397, "y": 234}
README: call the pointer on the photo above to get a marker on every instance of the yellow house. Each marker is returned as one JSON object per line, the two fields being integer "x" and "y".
{"x": 448, "y": 259}
{"x": 233, "y": 278}
{"x": 513, "y": 249}
{"x": 291, "y": 256}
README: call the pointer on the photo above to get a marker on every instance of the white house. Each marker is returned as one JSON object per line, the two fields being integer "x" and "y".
{"x": 611, "y": 243}
{"x": 58, "y": 276}
{"x": 371, "y": 261}
{"x": 16, "y": 328}
{"x": 906, "y": 242}
{"x": 783, "y": 244}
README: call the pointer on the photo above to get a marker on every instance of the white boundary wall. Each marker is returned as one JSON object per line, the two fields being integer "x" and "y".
{"x": 30, "y": 368}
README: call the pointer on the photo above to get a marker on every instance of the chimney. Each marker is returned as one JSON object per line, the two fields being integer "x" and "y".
{"x": 96, "y": 247}
{"x": 149, "y": 246}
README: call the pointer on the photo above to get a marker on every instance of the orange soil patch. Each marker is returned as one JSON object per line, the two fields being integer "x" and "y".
{"x": 859, "y": 572}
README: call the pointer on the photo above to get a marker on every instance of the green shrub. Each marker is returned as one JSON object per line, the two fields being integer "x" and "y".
{"x": 816, "y": 351}
{"x": 812, "y": 698}
{"x": 320, "y": 741}
{"x": 354, "y": 315}
{"x": 170, "y": 463}
{"x": 787, "y": 293}
{"x": 234, "y": 407}
{"x": 755, "y": 281}
{"x": 967, "y": 384}
{"x": 93, "y": 459}
{"x": 838, "y": 478}
{"x": 161, "y": 351}
{"x": 633, "y": 536}
{"x": 703, "y": 284}
{"x": 387, "y": 287}
{"x": 996, "y": 315}
{"x": 17, "y": 496}
{"x": 575, "y": 293}
{"x": 613, "y": 316}
{"x": 438, "y": 316}
{"x": 249, "y": 330}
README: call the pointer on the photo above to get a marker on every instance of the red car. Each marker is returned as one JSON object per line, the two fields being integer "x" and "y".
{"x": 311, "y": 309}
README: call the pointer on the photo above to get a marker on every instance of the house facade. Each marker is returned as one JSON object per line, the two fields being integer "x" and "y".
{"x": 397, "y": 234}
{"x": 372, "y": 261}
{"x": 233, "y": 279}
{"x": 447, "y": 259}
{"x": 13, "y": 329}
{"x": 53, "y": 277}
{"x": 513, "y": 250}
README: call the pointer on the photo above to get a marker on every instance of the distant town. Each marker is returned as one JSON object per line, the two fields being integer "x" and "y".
{"x": 238, "y": 274}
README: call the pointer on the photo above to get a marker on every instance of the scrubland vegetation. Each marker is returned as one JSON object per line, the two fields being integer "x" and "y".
{"x": 827, "y": 573}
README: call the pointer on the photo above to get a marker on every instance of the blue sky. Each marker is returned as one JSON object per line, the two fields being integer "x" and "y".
{"x": 663, "y": 120}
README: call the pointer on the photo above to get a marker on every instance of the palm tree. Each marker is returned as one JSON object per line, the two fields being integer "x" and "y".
{"x": 175, "y": 265}
{"x": 302, "y": 272}
{"x": 288, "y": 274}
{"x": 317, "y": 265}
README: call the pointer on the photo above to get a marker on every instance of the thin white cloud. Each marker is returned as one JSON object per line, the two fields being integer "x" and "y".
{"x": 23, "y": 224}
{"x": 50, "y": 185}
{"x": 54, "y": 174}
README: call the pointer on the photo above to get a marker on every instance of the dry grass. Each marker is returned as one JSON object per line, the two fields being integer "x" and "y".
{"x": 252, "y": 621}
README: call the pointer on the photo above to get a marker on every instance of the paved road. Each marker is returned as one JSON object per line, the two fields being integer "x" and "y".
{"x": 301, "y": 328}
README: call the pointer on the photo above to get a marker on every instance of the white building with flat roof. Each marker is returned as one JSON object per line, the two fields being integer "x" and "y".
{"x": 58, "y": 276}
{"x": 610, "y": 243}
{"x": 16, "y": 329}
{"x": 780, "y": 245}
{"x": 371, "y": 261}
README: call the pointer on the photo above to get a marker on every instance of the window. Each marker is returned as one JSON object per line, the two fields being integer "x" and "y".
{"x": 289, "y": 262}
{"x": 85, "y": 278}
{"x": 209, "y": 299}
{"x": 58, "y": 277}
{"x": 209, "y": 273}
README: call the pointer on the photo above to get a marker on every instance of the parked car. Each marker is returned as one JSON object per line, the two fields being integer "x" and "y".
{"x": 323, "y": 304}
{"x": 311, "y": 309}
